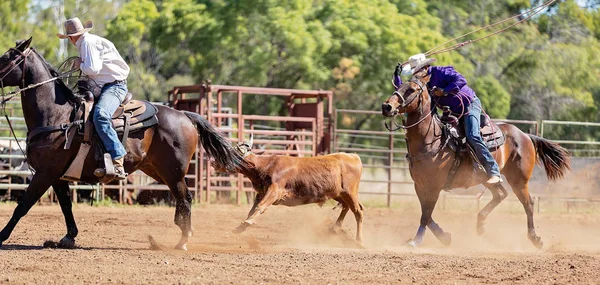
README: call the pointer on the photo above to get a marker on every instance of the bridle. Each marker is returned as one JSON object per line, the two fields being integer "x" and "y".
{"x": 405, "y": 103}
{"x": 21, "y": 88}
{"x": 21, "y": 58}
{"x": 13, "y": 64}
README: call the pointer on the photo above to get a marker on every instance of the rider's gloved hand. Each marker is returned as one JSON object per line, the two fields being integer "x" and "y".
{"x": 438, "y": 91}
{"x": 398, "y": 69}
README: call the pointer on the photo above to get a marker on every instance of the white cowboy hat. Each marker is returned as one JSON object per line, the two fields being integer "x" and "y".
{"x": 73, "y": 27}
{"x": 416, "y": 63}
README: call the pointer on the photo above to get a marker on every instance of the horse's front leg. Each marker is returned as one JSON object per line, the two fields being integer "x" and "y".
{"x": 62, "y": 191}
{"x": 428, "y": 198}
{"x": 39, "y": 184}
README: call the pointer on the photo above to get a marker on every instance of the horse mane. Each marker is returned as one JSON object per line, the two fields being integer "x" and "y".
{"x": 61, "y": 84}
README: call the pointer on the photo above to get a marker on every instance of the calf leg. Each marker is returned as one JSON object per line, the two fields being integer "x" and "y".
{"x": 352, "y": 202}
{"x": 257, "y": 200}
{"x": 342, "y": 216}
{"x": 269, "y": 198}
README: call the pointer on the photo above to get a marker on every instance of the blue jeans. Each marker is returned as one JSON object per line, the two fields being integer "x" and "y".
{"x": 111, "y": 97}
{"x": 472, "y": 132}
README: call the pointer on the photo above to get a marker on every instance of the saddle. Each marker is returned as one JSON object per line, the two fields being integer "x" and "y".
{"x": 454, "y": 136}
{"x": 130, "y": 116}
{"x": 492, "y": 135}
{"x": 133, "y": 115}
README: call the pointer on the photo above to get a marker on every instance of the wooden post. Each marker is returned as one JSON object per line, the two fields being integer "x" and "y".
{"x": 197, "y": 177}
{"x": 207, "y": 199}
{"x": 390, "y": 164}
{"x": 241, "y": 123}
{"x": 220, "y": 106}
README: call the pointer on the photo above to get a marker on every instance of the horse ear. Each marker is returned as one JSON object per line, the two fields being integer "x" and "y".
{"x": 251, "y": 141}
{"x": 22, "y": 45}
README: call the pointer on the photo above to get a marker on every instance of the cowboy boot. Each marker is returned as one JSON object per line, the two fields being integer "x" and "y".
{"x": 120, "y": 173}
{"x": 493, "y": 180}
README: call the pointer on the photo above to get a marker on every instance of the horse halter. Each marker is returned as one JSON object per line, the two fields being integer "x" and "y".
{"x": 405, "y": 103}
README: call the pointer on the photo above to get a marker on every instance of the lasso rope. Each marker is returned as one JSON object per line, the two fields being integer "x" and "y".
{"x": 442, "y": 49}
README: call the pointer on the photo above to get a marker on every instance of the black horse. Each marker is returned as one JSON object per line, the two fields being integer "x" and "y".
{"x": 162, "y": 151}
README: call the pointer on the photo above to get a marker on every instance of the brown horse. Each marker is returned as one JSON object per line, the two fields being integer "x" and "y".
{"x": 162, "y": 151}
{"x": 430, "y": 162}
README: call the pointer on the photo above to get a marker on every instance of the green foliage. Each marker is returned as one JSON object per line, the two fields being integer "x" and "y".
{"x": 13, "y": 15}
{"x": 494, "y": 98}
{"x": 544, "y": 69}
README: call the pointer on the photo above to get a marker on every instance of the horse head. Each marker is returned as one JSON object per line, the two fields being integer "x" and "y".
{"x": 409, "y": 97}
{"x": 12, "y": 64}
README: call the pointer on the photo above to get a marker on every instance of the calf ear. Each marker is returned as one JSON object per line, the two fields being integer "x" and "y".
{"x": 22, "y": 45}
{"x": 259, "y": 152}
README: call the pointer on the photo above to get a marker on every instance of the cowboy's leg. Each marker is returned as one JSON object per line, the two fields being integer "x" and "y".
{"x": 472, "y": 132}
{"x": 107, "y": 104}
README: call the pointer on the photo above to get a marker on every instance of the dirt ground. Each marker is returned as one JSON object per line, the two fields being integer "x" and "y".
{"x": 293, "y": 245}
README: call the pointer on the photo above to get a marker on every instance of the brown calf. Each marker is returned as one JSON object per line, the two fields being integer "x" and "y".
{"x": 292, "y": 181}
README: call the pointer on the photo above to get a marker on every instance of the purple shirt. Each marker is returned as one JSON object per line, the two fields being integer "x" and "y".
{"x": 459, "y": 95}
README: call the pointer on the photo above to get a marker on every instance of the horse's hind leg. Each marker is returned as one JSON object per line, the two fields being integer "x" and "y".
{"x": 39, "y": 184}
{"x": 183, "y": 211}
{"x": 61, "y": 189}
{"x": 498, "y": 194}
{"x": 522, "y": 192}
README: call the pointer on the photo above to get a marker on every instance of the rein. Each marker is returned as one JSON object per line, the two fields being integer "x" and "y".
{"x": 13, "y": 64}
{"x": 21, "y": 58}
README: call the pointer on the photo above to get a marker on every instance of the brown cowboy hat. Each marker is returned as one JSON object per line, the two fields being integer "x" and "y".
{"x": 73, "y": 27}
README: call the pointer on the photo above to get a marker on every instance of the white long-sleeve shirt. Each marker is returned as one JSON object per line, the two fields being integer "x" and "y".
{"x": 100, "y": 59}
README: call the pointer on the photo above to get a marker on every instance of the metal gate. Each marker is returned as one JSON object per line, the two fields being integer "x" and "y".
{"x": 306, "y": 132}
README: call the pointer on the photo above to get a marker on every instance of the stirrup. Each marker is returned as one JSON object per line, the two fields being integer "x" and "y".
{"x": 120, "y": 173}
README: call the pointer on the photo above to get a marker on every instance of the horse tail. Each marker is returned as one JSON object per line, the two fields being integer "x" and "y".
{"x": 554, "y": 157}
{"x": 216, "y": 145}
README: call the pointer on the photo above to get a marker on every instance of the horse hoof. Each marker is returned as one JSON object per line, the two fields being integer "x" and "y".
{"x": 480, "y": 229}
{"x": 66, "y": 242}
{"x": 445, "y": 239}
{"x": 411, "y": 243}
{"x": 181, "y": 247}
{"x": 241, "y": 228}
{"x": 537, "y": 242}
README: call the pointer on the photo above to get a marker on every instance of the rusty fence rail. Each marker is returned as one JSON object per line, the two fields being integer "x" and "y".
{"x": 387, "y": 155}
